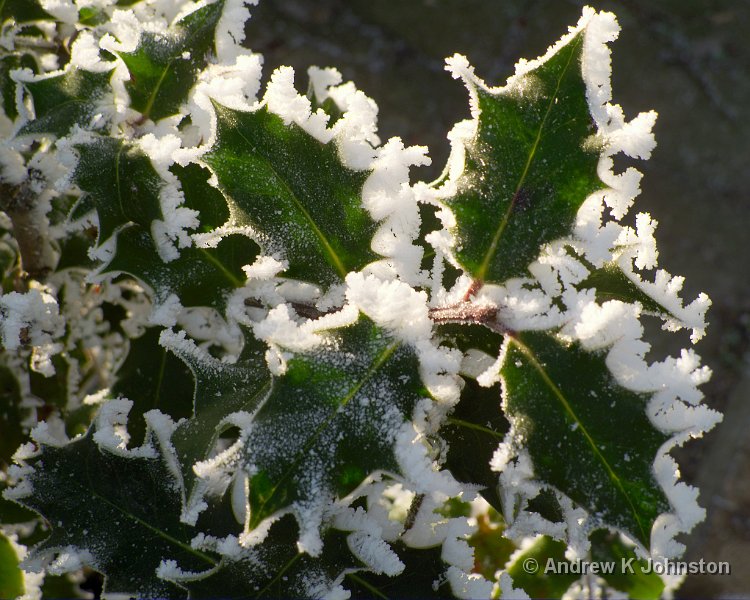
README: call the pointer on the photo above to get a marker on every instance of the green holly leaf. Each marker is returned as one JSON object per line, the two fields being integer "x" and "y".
{"x": 201, "y": 196}
{"x": 220, "y": 390}
{"x": 330, "y": 421}
{"x": 528, "y": 569}
{"x": 121, "y": 512}
{"x": 7, "y": 85}
{"x": 275, "y": 568}
{"x": 125, "y": 190}
{"x": 165, "y": 66}
{"x": 294, "y": 192}
{"x": 65, "y": 100}
{"x": 151, "y": 377}
{"x": 62, "y": 586}
{"x": 580, "y": 431}
{"x": 120, "y": 180}
{"x": 608, "y": 547}
{"x": 11, "y": 575}
{"x": 528, "y": 168}
{"x": 611, "y": 282}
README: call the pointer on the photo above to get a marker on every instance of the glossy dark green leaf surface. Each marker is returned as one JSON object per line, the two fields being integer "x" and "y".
{"x": 220, "y": 390}
{"x": 122, "y": 184}
{"x": 527, "y": 170}
{"x": 11, "y": 576}
{"x": 124, "y": 511}
{"x": 165, "y": 66}
{"x": 199, "y": 277}
{"x": 295, "y": 194}
{"x": 124, "y": 187}
{"x": 587, "y": 436}
{"x": 331, "y": 419}
{"x": 151, "y": 377}
{"x": 276, "y": 569}
{"x": 65, "y": 100}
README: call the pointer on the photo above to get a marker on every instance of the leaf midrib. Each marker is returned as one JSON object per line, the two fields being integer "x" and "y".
{"x": 379, "y": 362}
{"x": 581, "y": 427}
{"x": 484, "y": 267}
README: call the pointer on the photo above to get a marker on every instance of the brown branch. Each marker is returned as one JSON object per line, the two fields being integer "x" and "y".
{"x": 475, "y": 286}
{"x": 38, "y": 256}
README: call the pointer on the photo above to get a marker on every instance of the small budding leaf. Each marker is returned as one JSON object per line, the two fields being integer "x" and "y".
{"x": 295, "y": 194}
{"x": 579, "y": 431}
{"x": 165, "y": 66}
{"x": 528, "y": 168}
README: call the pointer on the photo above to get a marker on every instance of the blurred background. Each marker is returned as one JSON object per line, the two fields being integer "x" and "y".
{"x": 689, "y": 60}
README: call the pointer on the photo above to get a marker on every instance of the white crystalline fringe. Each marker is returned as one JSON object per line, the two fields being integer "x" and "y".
{"x": 111, "y": 432}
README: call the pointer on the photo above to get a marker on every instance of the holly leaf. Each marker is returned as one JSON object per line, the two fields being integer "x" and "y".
{"x": 473, "y": 432}
{"x": 294, "y": 192}
{"x": 65, "y": 100}
{"x": 423, "y": 577}
{"x": 587, "y": 436}
{"x": 275, "y": 568}
{"x": 330, "y": 421}
{"x": 23, "y": 11}
{"x": 608, "y": 547}
{"x": 125, "y": 189}
{"x": 199, "y": 276}
{"x": 527, "y": 169}
{"x": 120, "y": 180}
{"x": 120, "y": 514}
{"x": 165, "y": 65}
{"x": 220, "y": 390}
{"x": 528, "y": 569}
{"x": 11, "y": 414}
{"x": 151, "y": 377}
